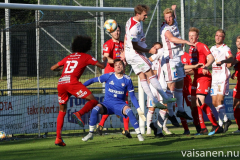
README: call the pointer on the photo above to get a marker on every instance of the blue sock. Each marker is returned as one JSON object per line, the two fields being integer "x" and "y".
{"x": 94, "y": 116}
{"x": 132, "y": 118}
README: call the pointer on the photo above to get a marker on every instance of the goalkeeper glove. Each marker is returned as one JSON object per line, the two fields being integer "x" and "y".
{"x": 141, "y": 114}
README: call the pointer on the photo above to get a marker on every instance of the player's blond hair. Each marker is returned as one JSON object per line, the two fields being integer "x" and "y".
{"x": 221, "y": 31}
{"x": 140, "y": 8}
{"x": 168, "y": 10}
{"x": 238, "y": 37}
{"x": 194, "y": 29}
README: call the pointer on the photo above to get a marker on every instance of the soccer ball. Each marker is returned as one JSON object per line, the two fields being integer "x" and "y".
{"x": 2, "y": 135}
{"x": 110, "y": 25}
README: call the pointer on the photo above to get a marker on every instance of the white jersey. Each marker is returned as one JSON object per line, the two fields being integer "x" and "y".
{"x": 171, "y": 49}
{"x": 156, "y": 65}
{"x": 134, "y": 33}
{"x": 219, "y": 54}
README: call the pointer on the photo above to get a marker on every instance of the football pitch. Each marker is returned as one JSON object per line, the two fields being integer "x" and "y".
{"x": 116, "y": 146}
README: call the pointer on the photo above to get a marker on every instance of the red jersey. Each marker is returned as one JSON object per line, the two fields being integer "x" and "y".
{"x": 74, "y": 65}
{"x": 186, "y": 59}
{"x": 237, "y": 66}
{"x": 113, "y": 49}
{"x": 199, "y": 54}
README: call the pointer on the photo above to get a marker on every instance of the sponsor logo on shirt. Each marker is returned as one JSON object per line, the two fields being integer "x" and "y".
{"x": 115, "y": 91}
{"x": 123, "y": 84}
{"x": 141, "y": 65}
{"x": 105, "y": 49}
{"x": 112, "y": 83}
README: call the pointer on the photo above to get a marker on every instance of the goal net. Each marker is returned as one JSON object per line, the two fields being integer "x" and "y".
{"x": 31, "y": 42}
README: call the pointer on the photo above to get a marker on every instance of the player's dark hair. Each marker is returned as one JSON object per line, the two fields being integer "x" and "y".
{"x": 157, "y": 43}
{"x": 119, "y": 27}
{"x": 117, "y": 60}
{"x": 140, "y": 8}
{"x": 81, "y": 44}
{"x": 238, "y": 37}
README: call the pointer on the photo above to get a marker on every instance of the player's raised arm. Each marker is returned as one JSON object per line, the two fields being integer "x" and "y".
{"x": 101, "y": 79}
{"x": 176, "y": 40}
{"x": 103, "y": 64}
{"x": 56, "y": 67}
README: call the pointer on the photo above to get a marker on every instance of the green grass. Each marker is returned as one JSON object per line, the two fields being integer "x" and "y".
{"x": 116, "y": 146}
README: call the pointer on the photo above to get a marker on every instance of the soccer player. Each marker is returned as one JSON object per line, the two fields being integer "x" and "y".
{"x": 111, "y": 50}
{"x": 117, "y": 84}
{"x": 73, "y": 66}
{"x": 201, "y": 84}
{"x": 187, "y": 86}
{"x": 135, "y": 49}
{"x": 160, "y": 124}
{"x": 172, "y": 65}
{"x": 220, "y": 86}
{"x": 236, "y": 94}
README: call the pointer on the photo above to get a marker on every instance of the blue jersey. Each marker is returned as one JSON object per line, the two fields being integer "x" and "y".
{"x": 116, "y": 88}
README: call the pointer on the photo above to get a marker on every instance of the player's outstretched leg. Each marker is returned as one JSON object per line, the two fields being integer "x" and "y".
{"x": 155, "y": 83}
{"x": 148, "y": 91}
{"x": 60, "y": 121}
{"x": 134, "y": 123}
{"x": 86, "y": 108}
{"x": 92, "y": 123}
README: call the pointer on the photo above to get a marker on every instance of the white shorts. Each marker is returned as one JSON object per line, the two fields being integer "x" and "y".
{"x": 139, "y": 62}
{"x": 220, "y": 87}
{"x": 173, "y": 69}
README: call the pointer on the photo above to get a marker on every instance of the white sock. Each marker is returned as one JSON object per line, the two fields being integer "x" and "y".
{"x": 147, "y": 90}
{"x": 137, "y": 130}
{"x": 164, "y": 117}
{"x": 160, "y": 122}
{"x": 178, "y": 94}
{"x": 221, "y": 113}
{"x": 91, "y": 128}
{"x": 170, "y": 105}
{"x": 149, "y": 120}
{"x": 155, "y": 83}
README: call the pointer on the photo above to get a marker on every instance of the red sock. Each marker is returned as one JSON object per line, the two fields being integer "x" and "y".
{"x": 125, "y": 123}
{"x": 236, "y": 113}
{"x": 126, "y": 120}
{"x": 184, "y": 123}
{"x": 88, "y": 107}
{"x": 200, "y": 118}
{"x": 195, "y": 116}
{"x": 104, "y": 118}
{"x": 209, "y": 113}
{"x": 60, "y": 120}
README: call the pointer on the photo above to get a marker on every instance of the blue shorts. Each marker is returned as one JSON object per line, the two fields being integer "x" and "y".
{"x": 115, "y": 107}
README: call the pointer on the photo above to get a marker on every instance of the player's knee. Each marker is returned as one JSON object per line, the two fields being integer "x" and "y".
{"x": 96, "y": 110}
{"x": 127, "y": 110}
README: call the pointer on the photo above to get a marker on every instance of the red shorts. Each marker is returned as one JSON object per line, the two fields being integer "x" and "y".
{"x": 201, "y": 85}
{"x": 236, "y": 91}
{"x": 187, "y": 94}
{"x": 66, "y": 90}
